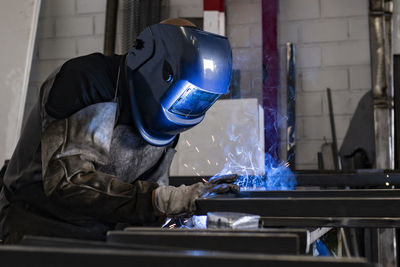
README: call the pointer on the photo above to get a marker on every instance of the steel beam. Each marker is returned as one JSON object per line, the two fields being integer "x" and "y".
{"x": 304, "y": 235}
{"x": 348, "y": 222}
{"x": 325, "y": 179}
{"x": 271, "y": 243}
{"x": 353, "y": 193}
{"x": 18, "y": 256}
{"x": 305, "y": 207}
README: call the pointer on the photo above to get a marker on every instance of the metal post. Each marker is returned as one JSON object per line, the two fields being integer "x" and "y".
{"x": 380, "y": 26}
{"x": 110, "y": 27}
{"x": 336, "y": 157}
{"x": 291, "y": 105}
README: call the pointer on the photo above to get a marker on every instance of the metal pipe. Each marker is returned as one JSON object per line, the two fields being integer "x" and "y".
{"x": 110, "y": 27}
{"x": 291, "y": 105}
{"x": 380, "y": 26}
{"x": 336, "y": 159}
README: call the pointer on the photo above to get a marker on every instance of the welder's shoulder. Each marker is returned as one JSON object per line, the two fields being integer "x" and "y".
{"x": 81, "y": 82}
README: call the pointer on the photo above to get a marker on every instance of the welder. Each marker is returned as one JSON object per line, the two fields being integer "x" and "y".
{"x": 96, "y": 149}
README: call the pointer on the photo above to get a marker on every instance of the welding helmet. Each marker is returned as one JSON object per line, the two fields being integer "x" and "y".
{"x": 175, "y": 74}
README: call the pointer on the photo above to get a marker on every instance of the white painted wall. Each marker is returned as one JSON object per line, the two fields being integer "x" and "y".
{"x": 18, "y": 21}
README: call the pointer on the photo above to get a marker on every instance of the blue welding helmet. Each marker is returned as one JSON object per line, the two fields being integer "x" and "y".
{"x": 175, "y": 74}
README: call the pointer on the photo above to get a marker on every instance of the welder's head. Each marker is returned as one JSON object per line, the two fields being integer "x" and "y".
{"x": 175, "y": 73}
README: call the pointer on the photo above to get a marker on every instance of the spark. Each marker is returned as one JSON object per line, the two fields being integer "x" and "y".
{"x": 187, "y": 142}
{"x": 213, "y": 139}
{"x": 172, "y": 226}
{"x": 204, "y": 180}
{"x": 387, "y": 175}
{"x": 226, "y": 159}
{"x": 186, "y": 165}
{"x": 387, "y": 184}
{"x": 197, "y": 149}
{"x": 194, "y": 168}
{"x": 216, "y": 163}
{"x": 209, "y": 162}
{"x": 198, "y": 174}
{"x": 287, "y": 164}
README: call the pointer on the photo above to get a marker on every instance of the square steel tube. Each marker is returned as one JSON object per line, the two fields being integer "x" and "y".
{"x": 304, "y": 207}
{"x": 22, "y": 256}
{"x": 269, "y": 243}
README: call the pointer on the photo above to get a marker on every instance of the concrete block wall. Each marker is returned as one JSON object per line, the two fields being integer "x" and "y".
{"x": 66, "y": 29}
{"x": 243, "y": 27}
{"x": 332, "y": 42}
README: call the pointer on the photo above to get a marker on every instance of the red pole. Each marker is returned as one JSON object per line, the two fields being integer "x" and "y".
{"x": 270, "y": 76}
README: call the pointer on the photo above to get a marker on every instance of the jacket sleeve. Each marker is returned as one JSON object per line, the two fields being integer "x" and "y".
{"x": 71, "y": 150}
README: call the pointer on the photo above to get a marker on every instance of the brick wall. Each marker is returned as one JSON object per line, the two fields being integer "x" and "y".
{"x": 243, "y": 27}
{"x": 332, "y": 43}
{"x": 67, "y": 29}
{"x": 331, "y": 38}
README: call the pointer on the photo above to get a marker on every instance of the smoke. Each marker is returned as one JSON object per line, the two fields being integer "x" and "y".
{"x": 255, "y": 172}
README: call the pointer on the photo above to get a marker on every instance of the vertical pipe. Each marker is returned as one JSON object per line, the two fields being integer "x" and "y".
{"x": 110, "y": 27}
{"x": 270, "y": 60}
{"x": 380, "y": 17}
{"x": 291, "y": 105}
{"x": 396, "y": 86}
{"x": 380, "y": 28}
{"x": 335, "y": 153}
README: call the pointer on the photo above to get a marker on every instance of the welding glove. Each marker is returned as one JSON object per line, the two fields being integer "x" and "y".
{"x": 174, "y": 201}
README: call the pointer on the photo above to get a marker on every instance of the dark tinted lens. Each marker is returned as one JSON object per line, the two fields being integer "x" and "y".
{"x": 193, "y": 103}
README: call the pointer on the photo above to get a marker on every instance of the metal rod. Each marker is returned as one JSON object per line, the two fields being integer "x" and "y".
{"x": 345, "y": 243}
{"x": 335, "y": 152}
{"x": 110, "y": 27}
{"x": 291, "y": 105}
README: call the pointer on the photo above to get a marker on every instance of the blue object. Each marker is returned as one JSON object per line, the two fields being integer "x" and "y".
{"x": 322, "y": 249}
{"x": 175, "y": 76}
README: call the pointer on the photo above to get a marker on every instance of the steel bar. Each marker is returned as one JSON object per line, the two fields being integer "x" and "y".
{"x": 348, "y": 222}
{"x": 271, "y": 243}
{"x": 291, "y": 105}
{"x": 305, "y": 207}
{"x": 381, "y": 193}
{"x": 336, "y": 161}
{"x": 324, "y": 179}
{"x": 305, "y": 236}
{"x": 18, "y": 256}
{"x": 396, "y": 85}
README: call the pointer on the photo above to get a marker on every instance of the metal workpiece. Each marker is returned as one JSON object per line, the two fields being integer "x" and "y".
{"x": 348, "y": 222}
{"x": 247, "y": 242}
{"x": 306, "y": 236}
{"x": 305, "y": 207}
{"x": 361, "y": 179}
{"x": 351, "y": 193}
{"x": 22, "y": 256}
{"x": 291, "y": 105}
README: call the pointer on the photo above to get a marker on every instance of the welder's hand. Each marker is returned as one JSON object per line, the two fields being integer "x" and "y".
{"x": 176, "y": 201}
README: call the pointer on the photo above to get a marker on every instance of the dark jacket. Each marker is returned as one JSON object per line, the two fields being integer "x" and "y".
{"x": 80, "y": 161}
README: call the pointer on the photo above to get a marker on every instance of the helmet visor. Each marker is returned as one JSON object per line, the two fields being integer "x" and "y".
{"x": 193, "y": 102}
